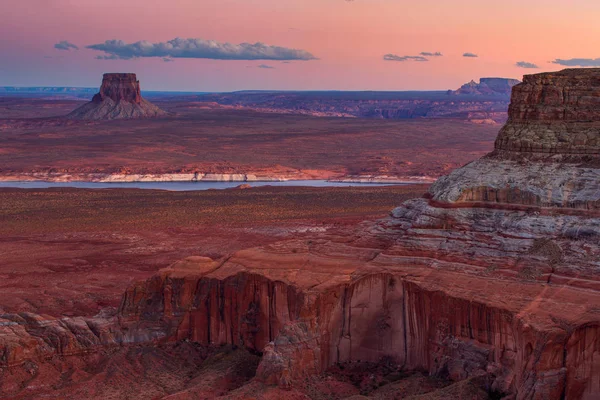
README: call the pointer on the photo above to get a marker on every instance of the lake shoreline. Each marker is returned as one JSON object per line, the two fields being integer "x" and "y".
{"x": 192, "y": 186}
{"x": 207, "y": 177}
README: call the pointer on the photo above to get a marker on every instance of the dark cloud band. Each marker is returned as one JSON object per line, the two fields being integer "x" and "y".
{"x": 198, "y": 48}
{"x": 65, "y": 45}
{"x": 525, "y": 64}
{"x": 394, "y": 57}
{"x": 578, "y": 62}
{"x": 470, "y": 55}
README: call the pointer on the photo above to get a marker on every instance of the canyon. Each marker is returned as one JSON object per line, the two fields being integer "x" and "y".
{"x": 488, "y": 280}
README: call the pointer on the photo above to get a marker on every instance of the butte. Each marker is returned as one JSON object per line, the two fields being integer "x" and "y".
{"x": 119, "y": 98}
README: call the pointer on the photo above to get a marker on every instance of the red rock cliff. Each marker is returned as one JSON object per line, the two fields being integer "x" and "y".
{"x": 119, "y": 98}
{"x": 119, "y": 87}
{"x": 554, "y": 113}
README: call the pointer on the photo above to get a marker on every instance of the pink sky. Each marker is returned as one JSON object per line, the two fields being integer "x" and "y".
{"x": 350, "y": 39}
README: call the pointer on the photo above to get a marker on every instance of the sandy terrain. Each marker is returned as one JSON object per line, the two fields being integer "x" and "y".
{"x": 202, "y": 138}
{"x": 72, "y": 252}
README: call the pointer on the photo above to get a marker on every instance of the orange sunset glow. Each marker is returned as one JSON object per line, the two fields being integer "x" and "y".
{"x": 348, "y": 38}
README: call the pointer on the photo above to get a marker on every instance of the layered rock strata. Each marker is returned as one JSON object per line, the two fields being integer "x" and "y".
{"x": 554, "y": 114}
{"x": 493, "y": 273}
{"x": 119, "y": 98}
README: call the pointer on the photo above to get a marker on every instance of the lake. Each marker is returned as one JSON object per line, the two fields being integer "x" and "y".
{"x": 178, "y": 186}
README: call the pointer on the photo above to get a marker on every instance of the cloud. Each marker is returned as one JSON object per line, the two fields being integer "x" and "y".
{"x": 198, "y": 48}
{"x": 578, "y": 62}
{"x": 394, "y": 57}
{"x": 428, "y": 54}
{"x": 111, "y": 57}
{"x": 472, "y": 55}
{"x": 525, "y": 64}
{"x": 65, "y": 45}
{"x": 265, "y": 66}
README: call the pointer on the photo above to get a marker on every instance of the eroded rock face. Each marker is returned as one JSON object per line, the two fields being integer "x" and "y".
{"x": 119, "y": 98}
{"x": 554, "y": 114}
{"x": 119, "y": 87}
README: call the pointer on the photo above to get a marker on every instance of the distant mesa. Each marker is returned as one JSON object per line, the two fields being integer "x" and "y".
{"x": 119, "y": 98}
{"x": 487, "y": 87}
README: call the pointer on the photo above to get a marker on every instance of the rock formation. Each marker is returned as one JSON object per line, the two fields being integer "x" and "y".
{"x": 119, "y": 98}
{"x": 487, "y": 87}
{"x": 492, "y": 274}
{"x": 554, "y": 114}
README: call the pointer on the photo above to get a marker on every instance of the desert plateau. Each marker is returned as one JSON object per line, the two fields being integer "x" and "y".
{"x": 196, "y": 138}
{"x": 299, "y": 200}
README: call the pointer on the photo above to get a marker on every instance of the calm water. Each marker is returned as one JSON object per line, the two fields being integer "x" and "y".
{"x": 176, "y": 185}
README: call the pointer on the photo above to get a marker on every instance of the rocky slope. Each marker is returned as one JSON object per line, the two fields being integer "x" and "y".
{"x": 119, "y": 98}
{"x": 492, "y": 275}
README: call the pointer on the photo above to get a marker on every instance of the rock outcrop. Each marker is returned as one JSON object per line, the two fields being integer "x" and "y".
{"x": 493, "y": 273}
{"x": 554, "y": 114}
{"x": 487, "y": 87}
{"x": 119, "y": 98}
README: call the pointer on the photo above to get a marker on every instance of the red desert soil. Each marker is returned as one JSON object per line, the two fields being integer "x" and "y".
{"x": 74, "y": 251}
{"x": 221, "y": 140}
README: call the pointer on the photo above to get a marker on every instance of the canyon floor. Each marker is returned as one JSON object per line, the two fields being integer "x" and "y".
{"x": 71, "y": 252}
{"x": 212, "y": 138}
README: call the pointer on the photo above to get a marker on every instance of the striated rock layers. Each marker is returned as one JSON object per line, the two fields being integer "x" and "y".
{"x": 119, "y": 98}
{"x": 494, "y": 274}
{"x": 554, "y": 114}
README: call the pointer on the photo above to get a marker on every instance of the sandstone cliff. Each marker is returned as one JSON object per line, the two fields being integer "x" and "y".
{"x": 493, "y": 274}
{"x": 554, "y": 114}
{"x": 119, "y": 98}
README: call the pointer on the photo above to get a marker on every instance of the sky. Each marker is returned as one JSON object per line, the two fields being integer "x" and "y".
{"x": 226, "y": 45}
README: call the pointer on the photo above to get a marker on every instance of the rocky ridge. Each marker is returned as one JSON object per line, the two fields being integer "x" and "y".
{"x": 493, "y": 273}
{"x": 119, "y": 98}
